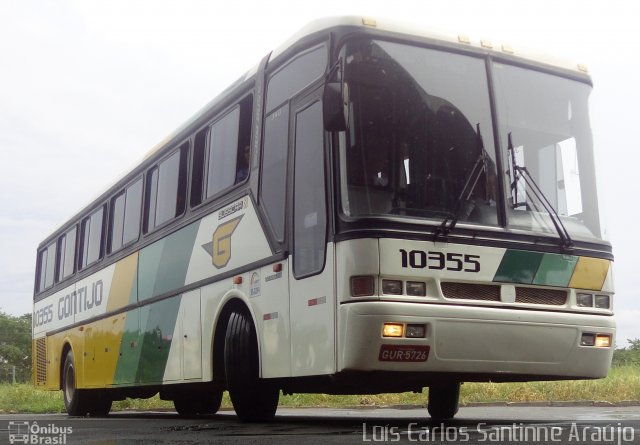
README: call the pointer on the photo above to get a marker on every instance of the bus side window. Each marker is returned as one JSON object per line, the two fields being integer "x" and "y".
{"x": 46, "y": 264}
{"x": 221, "y": 153}
{"x": 223, "y": 143}
{"x": 198, "y": 169}
{"x": 67, "y": 254}
{"x": 166, "y": 189}
{"x": 91, "y": 238}
{"x": 124, "y": 217}
{"x": 273, "y": 189}
{"x": 42, "y": 269}
{"x": 286, "y": 82}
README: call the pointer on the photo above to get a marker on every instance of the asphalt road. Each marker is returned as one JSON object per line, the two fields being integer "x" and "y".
{"x": 473, "y": 425}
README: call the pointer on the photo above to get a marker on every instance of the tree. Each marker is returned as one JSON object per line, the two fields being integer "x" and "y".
{"x": 15, "y": 339}
{"x": 629, "y": 355}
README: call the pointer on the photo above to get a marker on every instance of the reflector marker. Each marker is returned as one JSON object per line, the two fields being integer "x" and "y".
{"x": 317, "y": 301}
{"x": 270, "y": 316}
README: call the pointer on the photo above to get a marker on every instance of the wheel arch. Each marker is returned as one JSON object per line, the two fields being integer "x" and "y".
{"x": 232, "y": 303}
{"x": 66, "y": 347}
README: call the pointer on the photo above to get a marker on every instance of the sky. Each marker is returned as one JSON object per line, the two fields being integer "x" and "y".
{"x": 88, "y": 87}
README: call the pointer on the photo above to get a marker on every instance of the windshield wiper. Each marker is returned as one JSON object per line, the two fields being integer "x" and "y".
{"x": 565, "y": 239}
{"x": 480, "y": 167}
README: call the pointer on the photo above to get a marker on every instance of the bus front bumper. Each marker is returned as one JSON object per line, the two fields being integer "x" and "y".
{"x": 475, "y": 343}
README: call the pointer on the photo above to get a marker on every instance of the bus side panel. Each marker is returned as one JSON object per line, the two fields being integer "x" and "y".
{"x": 313, "y": 316}
{"x": 185, "y": 355}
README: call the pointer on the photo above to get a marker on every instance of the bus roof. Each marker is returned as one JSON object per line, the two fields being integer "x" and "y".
{"x": 416, "y": 30}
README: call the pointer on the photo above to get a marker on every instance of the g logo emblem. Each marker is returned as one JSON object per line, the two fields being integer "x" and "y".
{"x": 222, "y": 242}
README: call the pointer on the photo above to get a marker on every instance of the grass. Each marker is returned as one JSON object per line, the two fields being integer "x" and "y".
{"x": 622, "y": 384}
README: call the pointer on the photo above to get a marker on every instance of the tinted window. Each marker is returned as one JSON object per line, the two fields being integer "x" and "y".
{"x": 221, "y": 153}
{"x": 132, "y": 211}
{"x": 67, "y": 249}
{"x": 199, "y": 164}
{"x": 125, "y": 216}
{"x": 295, "y": 76}
{"x": 42, "y": 266}
{"x": 167, "y": 189}
{"x": 309, "y": 196}
{"x": 92, "y": 238}
{"x": 47, "y": 265}
{"x": 117, "y": 222}
{"x": 223, "y": 146}
{"x": 274, "y": 168}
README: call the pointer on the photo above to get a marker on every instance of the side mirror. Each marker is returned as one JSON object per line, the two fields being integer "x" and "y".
{"x": 335, "y": 106}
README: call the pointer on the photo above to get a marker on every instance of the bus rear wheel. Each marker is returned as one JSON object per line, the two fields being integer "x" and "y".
{"x": 99, "y": 403}
{"x": 254, "y": 399}
{"x": 443, "y": 400}
{"x": 191, "y": 404}
{"x": 76, "y": 401}
{"x": 79, "y": 402}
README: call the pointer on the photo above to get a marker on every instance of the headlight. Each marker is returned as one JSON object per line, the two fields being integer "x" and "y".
{"x": 603, "y": 302}
{"x": 392, "y": 287}
{"x": 584, "y": 300}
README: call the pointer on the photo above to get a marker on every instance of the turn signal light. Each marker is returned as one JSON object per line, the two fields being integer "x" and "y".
{"x": 392, "y": 330}
{"x": 603, "y": 341}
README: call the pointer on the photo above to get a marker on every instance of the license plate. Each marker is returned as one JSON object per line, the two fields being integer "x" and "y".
{"x": 403, "y": 353}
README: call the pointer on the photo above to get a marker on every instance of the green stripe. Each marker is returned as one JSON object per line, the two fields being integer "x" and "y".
{"x": 555, "y": 270}
{"x": 157, "y": 335}
{"x": 129, "y": 350}
{"x": 163, "y": 265}
{"x": 518, "y": 266}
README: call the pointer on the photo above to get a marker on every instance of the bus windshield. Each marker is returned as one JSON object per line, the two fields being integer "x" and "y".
{"x": 420, "y": 120}
{"x": 546, "y": 118}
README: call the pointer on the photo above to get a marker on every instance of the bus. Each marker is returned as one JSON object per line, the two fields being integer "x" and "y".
{"x": 373, "y": 208}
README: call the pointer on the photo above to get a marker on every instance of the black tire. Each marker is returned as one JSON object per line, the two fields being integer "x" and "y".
{"x": 99, "y": 403}
{"x": 76, "y": 401}
{"x": 254, "y": 399}
{"x": 192, "y": 404}
{"x": 443, "y": 400}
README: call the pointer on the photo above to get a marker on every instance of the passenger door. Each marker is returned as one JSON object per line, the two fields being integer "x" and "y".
{"x": 311, "y": 271}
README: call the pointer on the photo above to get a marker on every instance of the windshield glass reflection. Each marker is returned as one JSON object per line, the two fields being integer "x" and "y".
{"x": 414, "y": 137}
{"x": 548, "y": 125}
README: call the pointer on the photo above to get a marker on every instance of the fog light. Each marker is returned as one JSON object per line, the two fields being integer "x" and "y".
{"x": 362, "y": 286}
{"x": 584, "y": 300}
{"x": 603, "y": 301}
{"x": 588, "y": 340}
{"x": 415, "y": 331}
{"x": 393, "y": 287}
{"x": 416, "y": 289}
{"x": 603, "y": 340}
{"x": 392, "y": 330}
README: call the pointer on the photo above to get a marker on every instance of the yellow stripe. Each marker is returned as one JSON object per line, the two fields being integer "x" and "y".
{"x": 590, "y": 273}
{"x": 102, "y": 338}
{"x": 122, "y": 282}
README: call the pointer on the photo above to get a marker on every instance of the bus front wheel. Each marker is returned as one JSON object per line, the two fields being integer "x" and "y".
{"x": 443, "y": 400}
{"x": 254, "y": 399}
